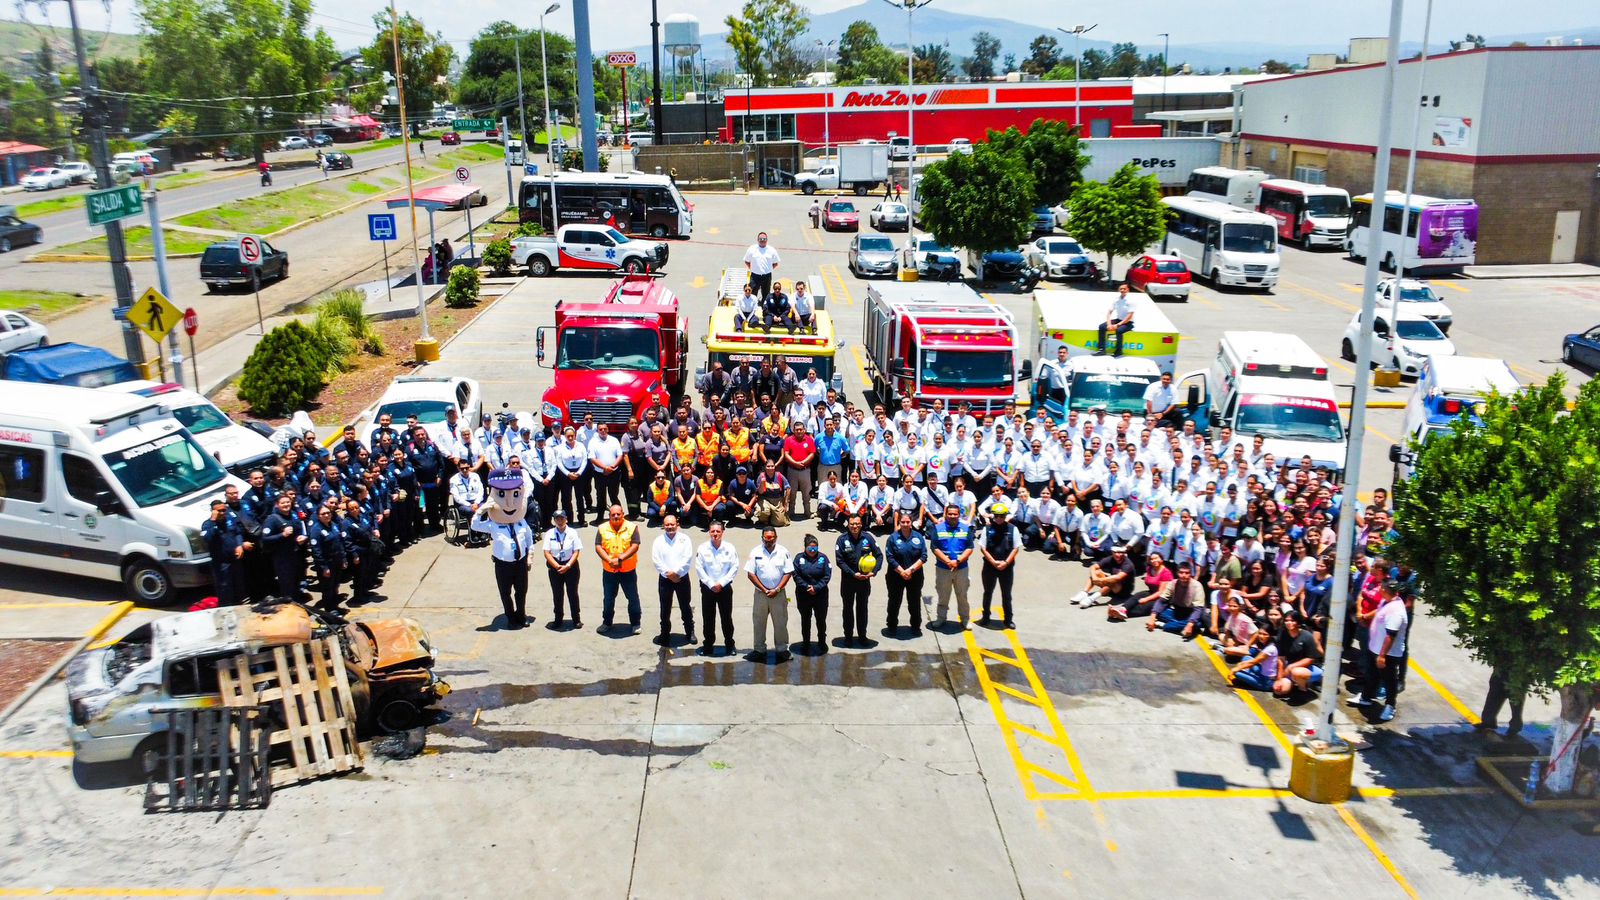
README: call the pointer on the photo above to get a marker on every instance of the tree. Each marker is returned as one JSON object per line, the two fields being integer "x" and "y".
{"x": 425, "y": 59}
{"x": 985, "y": 50}
{"x": 933, "y": 64}
{"x": 1501, "y": 524}
{"x": 1051, "y": 153}
{"x": 1275, "y": 67}
{"x": 858, "y": 38}
{"x": 1124, "y": 61}
{"x": 768, "y": 30}
{"x": 488, "y": 80}
{"x": 1044, "y": 54}
{"x": 1153, "y": 65}
{"x": 1120, "y": 217}
{"x": 1094, "y": 65}
{"x": 1063, "y": 70}
{"x": 980, "y": 200}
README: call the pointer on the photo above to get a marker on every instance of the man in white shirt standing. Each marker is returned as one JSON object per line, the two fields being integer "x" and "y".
{"x": 761, "y": 260}
{"x": 1119, "y": 319}
{"x": 605, "y": 461}
{"x": 673, "y": 554}
{"x": 715, "y": 565}
{"x": 770, "y": 568}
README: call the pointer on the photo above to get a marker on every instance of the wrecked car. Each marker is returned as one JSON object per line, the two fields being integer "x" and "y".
{"x": 171, "y": 664}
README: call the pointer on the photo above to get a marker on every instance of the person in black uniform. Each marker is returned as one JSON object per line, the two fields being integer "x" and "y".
{"x": 812, "y": 572}
{"x": 225, "y": 545}
{"x": 328, "y": 556}
{"x": 999, "y": 542}
{"x": 855, "y": 586}
{"x": 252, "y": 584}
{"x": 907, "y": 552}
{"x": 405, "y": 507}
{"x": 361, "y": 549}
{"x": 281, "y": 537}
{"x": 429, "y": 463}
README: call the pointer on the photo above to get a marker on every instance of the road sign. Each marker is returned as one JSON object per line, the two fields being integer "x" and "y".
{"x": 191, "y": 321}
{"x": 154, "y": 314}
{"x": 473, "y": 124}
{"x": 380, "y": 226}
{"x": 622, "y": 59}
{"x": 249, "y": 249}
{"x": 463, "y": 174}
{"x": 115, "y": 203}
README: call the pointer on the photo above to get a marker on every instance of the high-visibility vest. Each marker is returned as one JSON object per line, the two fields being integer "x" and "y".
{"x": 684, "y": 448}
{"x": 710, "y": 492}
{"x": 617, "y": 542}
{"x": 660, "y": 492}
{"x": 708, "y": 447}
{"x": 739, "y": 445}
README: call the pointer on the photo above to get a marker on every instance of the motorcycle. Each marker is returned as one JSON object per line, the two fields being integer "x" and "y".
{"x": 1093, "y": 275}
{"x": 940, "y": 267}
{"x": 1029, "y": 278}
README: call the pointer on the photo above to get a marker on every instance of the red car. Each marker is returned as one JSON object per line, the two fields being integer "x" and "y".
{"x": 840, "y": 215}
{"x": 1160, "y": 276}
{"x": 449, "y": 137}
{"x": 492, "y": 133}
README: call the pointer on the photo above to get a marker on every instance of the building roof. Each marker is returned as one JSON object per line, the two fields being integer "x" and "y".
{"x": 12, "y": 148}
{"x": 1220, "y": 113}
{"x": 1152, "y": 85}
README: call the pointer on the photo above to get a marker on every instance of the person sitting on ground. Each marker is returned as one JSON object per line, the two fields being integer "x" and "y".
{"x": 1157, "y": 575}
{"x": 1258, "y": 665}
{"x": 1180, "y": 605}
{"x": 1299, "y": 655}
{"x": 1110, "y": 580}
{"x": 1236, "y": 630}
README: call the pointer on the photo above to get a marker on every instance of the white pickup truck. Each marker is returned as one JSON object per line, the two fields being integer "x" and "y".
{"x": 589, "y": 247}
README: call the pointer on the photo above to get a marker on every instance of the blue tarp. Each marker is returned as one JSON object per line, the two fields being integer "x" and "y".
{"x": 70, "y": 364}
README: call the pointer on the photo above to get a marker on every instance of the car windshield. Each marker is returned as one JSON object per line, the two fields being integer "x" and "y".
{"x": 631, "y": 349}
{"x": 201, "y": 418}
{"x": 841, "y": 207}
{"x": 428, "y": 412}
{"x": 616, "y": 236}
{"x": 1238, "y": 237}
{"x": 893, "y": 209}
{"x": 928, "y": 245}
{"x": 1117, "y": 393}
{"x": 1419, "y": 294}
{"x": 878, "y": 244}
{"x": 1172, "y": 267}
{"x": 169, "y": 467}
{"x": 1064, "y": 248}
{"x": 1328, "y": 205}
{"x": 1418, "y": 330}
{"x": 967, "y": 368}
{"x": 1297, "y": 418}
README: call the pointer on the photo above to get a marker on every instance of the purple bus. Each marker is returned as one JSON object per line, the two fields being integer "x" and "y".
{"x": 1439, "y": 234}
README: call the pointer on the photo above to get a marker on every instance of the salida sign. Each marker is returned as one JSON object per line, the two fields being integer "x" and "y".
{"x": 882, "y": 98}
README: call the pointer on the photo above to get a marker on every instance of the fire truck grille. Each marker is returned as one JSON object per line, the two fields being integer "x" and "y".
{"x": 605, "y": 412}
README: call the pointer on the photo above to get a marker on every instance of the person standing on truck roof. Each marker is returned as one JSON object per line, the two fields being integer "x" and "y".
{"x": 1119, "y": 318}
{"x": 761, "y": 260}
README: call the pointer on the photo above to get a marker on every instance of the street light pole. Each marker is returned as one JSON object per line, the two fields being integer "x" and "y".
{"x": 1416, "y": 134}
{"x": 827, "y": 136}
{"x": 522, "y": 115}
{"x": 411, "y": 189}
{"x": 544, "y": 65}
{"x": 910, "y": 6}
{"x": 1166, "y": 44}
{"x": 1077, "y": 32}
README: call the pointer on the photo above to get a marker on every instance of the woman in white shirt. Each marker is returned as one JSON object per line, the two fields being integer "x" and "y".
{"x": 937, "y": 467}
{"x": 913, "y": 458}
{"x": 880, "y": 501}
{"x": 864, "y": 454}
{"x": 967, "y": 500}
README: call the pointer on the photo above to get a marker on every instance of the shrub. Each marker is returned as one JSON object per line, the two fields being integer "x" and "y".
{"x": 349, "y": 305}
{"x": 284, "y": 372}
{"x": 528, "y": 229}
{"x": 332, "y": 343}
{"x": 462, "y": 288}
{"x": 497, "y": 256}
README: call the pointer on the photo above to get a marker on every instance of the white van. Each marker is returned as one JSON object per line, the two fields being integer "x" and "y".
{"x": 106, "y": 485}
{"x": 1276, "y": 386}
{"x": 238, "y": 448}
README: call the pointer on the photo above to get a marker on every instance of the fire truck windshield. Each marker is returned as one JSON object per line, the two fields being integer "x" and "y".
{"x": 966, "y": 368}
{"x": 632, "y": 349}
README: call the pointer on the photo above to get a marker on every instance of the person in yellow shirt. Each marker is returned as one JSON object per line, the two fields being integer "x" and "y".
{"x": 708, "y": 502}
{"x": 617, "y": 545}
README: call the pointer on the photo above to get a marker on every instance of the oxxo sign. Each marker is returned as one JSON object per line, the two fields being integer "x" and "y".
{"x": 882, "y": 98}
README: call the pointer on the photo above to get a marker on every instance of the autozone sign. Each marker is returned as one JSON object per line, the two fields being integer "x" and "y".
{"x": 882, "y": 98}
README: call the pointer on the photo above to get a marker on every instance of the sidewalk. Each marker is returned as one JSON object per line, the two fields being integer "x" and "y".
{"x": 1546, "y": 270}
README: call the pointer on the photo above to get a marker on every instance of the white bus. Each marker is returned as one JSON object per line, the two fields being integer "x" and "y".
{"x": 631, "y": 202}
{"x": 1235, "y": 187}
{"x": 1313, "y": 214}
{"x": 1439, "y": 234}
{"x": 1227, "y": 245}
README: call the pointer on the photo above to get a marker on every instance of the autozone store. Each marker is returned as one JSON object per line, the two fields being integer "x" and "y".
{"x": 943, "y": 111}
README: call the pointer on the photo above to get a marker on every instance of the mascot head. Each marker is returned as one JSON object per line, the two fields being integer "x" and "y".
{"x": 505, "y": 489}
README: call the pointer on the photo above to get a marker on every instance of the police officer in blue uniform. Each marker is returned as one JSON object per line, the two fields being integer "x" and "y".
{"x": 812, "y": 572}
{"x": 281, "y": 537}
{"x": 907, "y": 552}
{"x": 225, "y": 545}
{"x": 855, "y": 586}
{"x": 328, "y": 556}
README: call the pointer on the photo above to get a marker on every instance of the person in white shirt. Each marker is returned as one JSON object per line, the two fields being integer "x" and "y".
{"x": 761, "y": 261}
{"x": 510, "y": 544}
{"x": 716, "y": 564}
{"x": 467, "y": 450}
{"x": 813, "y": 389}
{"x": 1068, "y": 523}
{"x": 856, "y": 498}
{"x": 831, "y": 501}
{"x": 938, "y": 456}
{"x": 746, "y": 309}
{"x": 1036, "y": 468}
{"x": 1119, "y": 320}
{"x": 1127, "y": 527}
{"x": 913, "y": 458}
{"x": 1095, "y": 531}
{"x": 606, "y": 462}
{"x": 1053, "y": 375}
{"x": 805, "y": 309}
{"x": 963, "y": 499}
{"x": 673, "y": 554}
{"x": 905, "y": 415}
{"x": 977, "y": 464}
{"x": 572, "y": 461}
{"x": 466, "y": 490}
{"x": 769, "y": 570}
{"x": 563, "y": 547}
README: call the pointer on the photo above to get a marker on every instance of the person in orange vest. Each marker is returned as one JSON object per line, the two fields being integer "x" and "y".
{"x": 706, "y": 444}
{"x": 683, "y": 450}
{"x": 617, "y": 545}
{"x": 659, "y": 498}
{"x": 738, "y": 440}
{"x": 708, "y": 502}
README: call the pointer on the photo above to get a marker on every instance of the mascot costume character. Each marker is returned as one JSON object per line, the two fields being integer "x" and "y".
{"x": 502, "y": 518}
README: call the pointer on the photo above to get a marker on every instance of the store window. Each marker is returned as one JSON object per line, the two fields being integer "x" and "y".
{"x": 765, "y": 127}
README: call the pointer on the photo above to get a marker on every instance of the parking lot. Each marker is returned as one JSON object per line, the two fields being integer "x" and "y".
{"x": 1071, "y": 757}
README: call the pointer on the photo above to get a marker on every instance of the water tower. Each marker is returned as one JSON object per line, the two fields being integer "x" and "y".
{"x": 682, "y": 40}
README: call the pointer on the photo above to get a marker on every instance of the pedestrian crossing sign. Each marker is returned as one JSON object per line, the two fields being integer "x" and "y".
{"x": 154, "y": 314}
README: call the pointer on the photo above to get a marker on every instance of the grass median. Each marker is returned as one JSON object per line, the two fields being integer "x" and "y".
{"x": 43, "y": 305}
{"x": 138, "y": 242}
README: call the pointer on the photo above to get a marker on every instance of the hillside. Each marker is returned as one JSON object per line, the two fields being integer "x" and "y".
{"x": 20, "y": 39}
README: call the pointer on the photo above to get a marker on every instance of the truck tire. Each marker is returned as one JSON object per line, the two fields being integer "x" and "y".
{"x": 658, "y": 231}
{"x": 633, "y": 265}
{"x": 861, "y": 190}
{"x": 147, "y": 581}
{"x": 538, "y": 267}
{"x": 808, "y": 188}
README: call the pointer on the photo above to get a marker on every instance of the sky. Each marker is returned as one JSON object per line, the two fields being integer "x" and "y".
{"x": 625, "y": 23}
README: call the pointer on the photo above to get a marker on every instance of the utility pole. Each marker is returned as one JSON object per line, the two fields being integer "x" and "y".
{"x": 1411, "y": 157}
{"x": 544, "y": 65}
{"x": 1077, "y": 32}
{"x": 411, "y": 188}
{"x": 1166, "y": 44}
{"x": 910, "y": 6}
{"x": 586, "y": 132}
{"x": 94, "y": 121}
{"x": 655, "y": 72}
{"x": 827, "y": 136}
{"x": 522, "y": 115}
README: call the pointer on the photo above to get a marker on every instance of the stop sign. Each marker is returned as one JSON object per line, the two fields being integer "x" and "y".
{"x": 191, "y": 321}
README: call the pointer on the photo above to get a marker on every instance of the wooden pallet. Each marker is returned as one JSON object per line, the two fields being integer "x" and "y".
{"x": 215, "y": 759}
{"x": 307, "y": 688}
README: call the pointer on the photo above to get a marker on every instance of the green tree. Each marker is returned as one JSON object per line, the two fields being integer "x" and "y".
{"x": 980, "y": 200}
{"x": 985, "y": 51}
{"x": 858, "y": 38}
{"x": 49, "y": 83}
{"x": 763, "y": 38}
{"x": 1052, "y": 154}
{"x": 1153, "y": 65}
{"x": 425, "y": 59}
{"x": 1275, "y": 67}
{"x": 1121, "y": 216}
{"x": 488, "y": 79}
{"x": 1062, "y": 72}
{"x": 1094, "y": 64}
{"x": 933, "y": 64}
{"x": 1501, "y": 523}
{"x": 1044, "y": 54}
{"x": 1124, "y": 61}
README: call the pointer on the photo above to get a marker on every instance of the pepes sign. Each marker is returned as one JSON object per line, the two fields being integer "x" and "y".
{"x": 882, "y": 98}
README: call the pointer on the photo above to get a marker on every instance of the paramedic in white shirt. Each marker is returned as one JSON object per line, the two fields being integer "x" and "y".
{"x": 1119, "y": 320}
{"x": 673, "y": 554}
{"x": 746, "y": 309}
{"x": 466, "y": 490}
{"x": 761, "y": 260}
{"x": 805, "y": 310}
{"x": 716, "y": 564}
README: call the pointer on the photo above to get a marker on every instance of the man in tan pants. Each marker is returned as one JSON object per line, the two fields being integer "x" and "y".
{"x": 951, "y": 541}
{"x": 769, "y": 569}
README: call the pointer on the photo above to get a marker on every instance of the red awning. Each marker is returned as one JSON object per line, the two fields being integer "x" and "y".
{"x": 449, "y": 196}
{"x": 11, "y": 148}
{"x": 365, "y": 121}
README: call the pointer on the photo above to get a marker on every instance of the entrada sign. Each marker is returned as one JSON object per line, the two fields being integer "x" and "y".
{"x": 881, "y": 98}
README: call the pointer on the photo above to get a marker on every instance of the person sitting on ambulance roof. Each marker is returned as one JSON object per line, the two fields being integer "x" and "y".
{"x": 776, "y": 309}
{"x": 805, "y": 311}
{"x": 746, "y": 310}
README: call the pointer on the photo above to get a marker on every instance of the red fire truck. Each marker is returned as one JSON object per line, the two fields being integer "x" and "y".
{"x": 928, "y": 341}
{"x": 617, "y": 357}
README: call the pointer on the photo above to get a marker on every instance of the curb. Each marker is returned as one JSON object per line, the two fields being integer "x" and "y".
{"x": 117, "y": 612}
{"x": 48, "y": 257}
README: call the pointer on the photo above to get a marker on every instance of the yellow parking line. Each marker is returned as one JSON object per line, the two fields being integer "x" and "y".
{"x": 1372, "y": 846}
{"x": 1444, "y": 692}
{"x": 112, "y": 618}
{"x": 698, "y": 282}
{"x": 35, "y": 754}
{"x": 1205, "y": 301}
{"x": 1381, "y": 434}
{"x": 7, "y": 607}
{"x": 861, "y": 366}
{"x": 1352, "y": 288}
{"x": 1049, "y": 708}
{"x": 838, "y": 282}
{"x": 1026, "y": 698}
{"x": 1453, "y": 286}
{"x": 1325, "y": 298}
{"x": 1248, "y": 698}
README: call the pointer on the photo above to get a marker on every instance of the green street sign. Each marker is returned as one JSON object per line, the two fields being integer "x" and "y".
{"x": 113, "y": 204}
{"x": 473, "y": 124}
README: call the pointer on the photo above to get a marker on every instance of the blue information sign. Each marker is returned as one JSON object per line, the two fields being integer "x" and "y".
{"x": 380, "y": 226}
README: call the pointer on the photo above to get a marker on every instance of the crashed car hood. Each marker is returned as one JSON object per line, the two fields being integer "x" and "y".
{"x": 399, "y": 642}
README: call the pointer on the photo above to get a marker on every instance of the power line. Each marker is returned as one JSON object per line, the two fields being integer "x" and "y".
{"x": 158, "y": 97}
